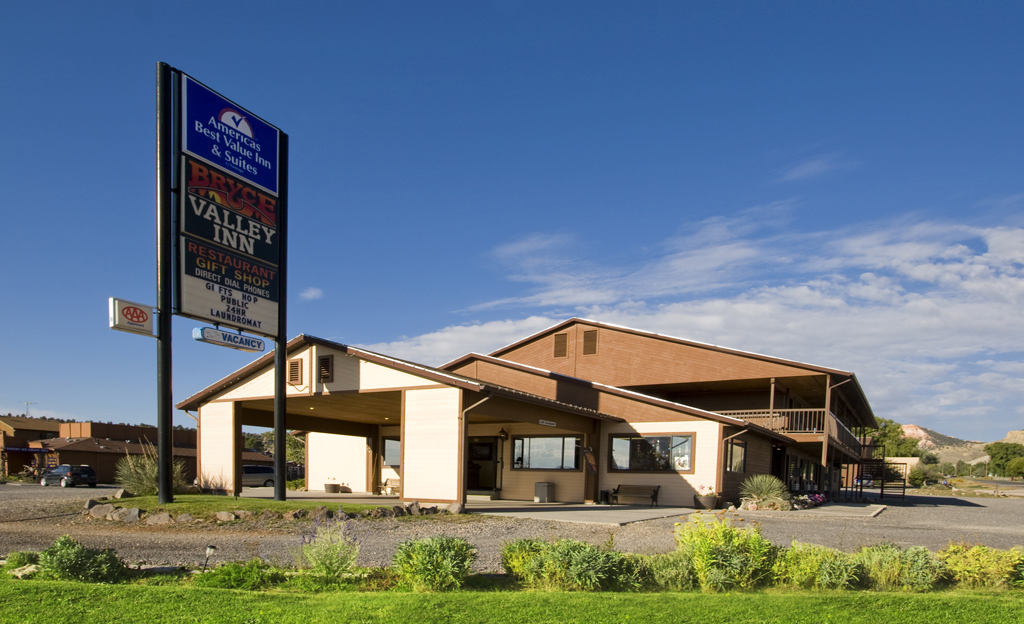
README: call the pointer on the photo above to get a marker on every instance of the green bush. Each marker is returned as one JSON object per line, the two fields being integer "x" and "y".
{"x": 981, "y": 566}
{"x": 298, "y": 485}
{"x": 138, "y": 473}
{"x": 810, "y": 566}
{"x": 724, "y": 556}
{"x": 20, "y": 559}
{"x": 673, "y": 571}
{"x": 329, "y": 553}
{"x": 435, "y": 563}
{"x": 252, "y": 575}
{"x": 67, "y": 560}
{"x": 887, "y": 567}
{"x": 572, "y": 565}
{"x": 916, "y": 477}
{"x": 763, "y": 487}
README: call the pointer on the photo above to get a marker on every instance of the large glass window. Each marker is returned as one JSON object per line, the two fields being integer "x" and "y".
{"x": 546, "y": 453}
{"x": 665, "y": 453}
{"x": 736, "y": 458}
{"x": 392, "y": 453}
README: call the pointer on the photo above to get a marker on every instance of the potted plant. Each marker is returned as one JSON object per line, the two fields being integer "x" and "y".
{"x": 332, "y": 486}
{"x": 705, "y": 498}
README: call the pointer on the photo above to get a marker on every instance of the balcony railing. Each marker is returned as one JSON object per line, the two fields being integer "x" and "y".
{"x": 801, "y": 421}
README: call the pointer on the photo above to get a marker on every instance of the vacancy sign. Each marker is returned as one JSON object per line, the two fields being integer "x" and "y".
{"x": 232, "y": 340}
{"x": 229, "y": 248}
{"x": 131, "y": 317}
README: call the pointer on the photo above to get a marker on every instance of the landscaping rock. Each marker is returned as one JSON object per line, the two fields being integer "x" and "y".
{"x": 413, "y": 508}
{"x": 132, "y": 515}
{"x": 25, "y": 571}
{"x": 225, "y": 516}
{"x": 185, "y": 518}
{"x": 159, "y": 518}
{"x": 399, "y": 510}
{"x": 456, "y": 508}
{"x": 89, "y": 504}
{"x": 377, "y": 512}
{"x": 118, "y": 515}
{"x": 320, "y": 513}
{"x": 101, "y": 511}
{"x": 269, "y": 514}
{"x": 298, "y": 514}
{"x": 243, "y": 514}
{"x": 123, "y": 493}
{"x": 341, "y": 515}
{"x": 428, "y": 511}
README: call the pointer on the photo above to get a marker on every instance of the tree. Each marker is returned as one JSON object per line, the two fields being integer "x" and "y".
{"x": 929, "y": 459}
{"x": 1015, "y": 468}
{"x": 890, "y": 435}
{"x": 947, "y": 469}
{"x": 963, "y": 469}
{"x": 1000, "y": 454}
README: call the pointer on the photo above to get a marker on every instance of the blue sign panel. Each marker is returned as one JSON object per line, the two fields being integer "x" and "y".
{"x": 227, "y": 339}
{"x": 226, "y": 135}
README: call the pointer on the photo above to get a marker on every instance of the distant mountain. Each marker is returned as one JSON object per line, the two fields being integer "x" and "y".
{"x": 950, "y": 449}
{"x": 929, "y": 440}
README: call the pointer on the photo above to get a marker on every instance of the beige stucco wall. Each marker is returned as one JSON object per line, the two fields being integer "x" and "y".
{"x": 676, "y": 488}
{"x": 352, "y": 373}
{"x": 342, "y": 457}
{"x": 262, "y": 384}
{"x": 432, "y": 441}
{"x": 218, "y": 444}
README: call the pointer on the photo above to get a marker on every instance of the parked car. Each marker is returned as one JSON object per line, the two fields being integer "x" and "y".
{"x": 69, "y": 476}
{"x": 257, "y": 476}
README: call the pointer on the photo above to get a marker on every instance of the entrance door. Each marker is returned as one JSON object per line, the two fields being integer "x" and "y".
{"x": 481, "y": 464}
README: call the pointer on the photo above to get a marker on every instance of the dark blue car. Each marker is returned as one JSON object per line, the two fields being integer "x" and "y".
{"x": 69, "y": 476}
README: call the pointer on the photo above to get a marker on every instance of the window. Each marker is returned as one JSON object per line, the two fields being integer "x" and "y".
{"x": 736, "y": 456}
{"x": 546, "y": 453}
{"x": 652, "y": 453}
{"x": 561, "y": 345}
{"x": 590, "y": 342}
{"x": 392, "y": 453}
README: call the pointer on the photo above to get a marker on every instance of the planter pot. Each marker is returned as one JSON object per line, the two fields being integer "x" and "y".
{"x": 332, "y": 488}
{"x": 705, "y": 502}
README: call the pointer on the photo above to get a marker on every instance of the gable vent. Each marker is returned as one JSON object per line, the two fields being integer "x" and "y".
{"x": 590, "y": 342}
{"x": 325, "y": 368}
{"x": 295, "y": 372}
{"x": 561, "y": 345}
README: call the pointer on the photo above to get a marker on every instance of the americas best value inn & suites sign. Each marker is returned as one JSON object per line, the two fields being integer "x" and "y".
{"x": 229, "y": 248}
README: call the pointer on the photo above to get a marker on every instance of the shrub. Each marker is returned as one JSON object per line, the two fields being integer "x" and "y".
{"x": 916, "y": 477}
{"x": 981, "y": 566}
{"x": 21, "y": 559}
{"x": 815, "y": 567}
{"x": 299, "y": 485}
{"x": 572, "y": 565}
{"x": 329, "y": 552}
{"x": 673, "y": 571}
{"x": 67, "y": 560}
{"x": 139, "y": 473}
{"x": 765, "y": 491}
{"x": 724, "y": 556}
{"x": 888, "y": 567}
{"x": 253, "y": 575}
{"x": 380, "y": 579}
{"x": 435, "y": 563}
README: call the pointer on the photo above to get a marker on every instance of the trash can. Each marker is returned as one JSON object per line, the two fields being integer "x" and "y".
{"x": 543, "y": 492}
{"x": 605, "y": 498}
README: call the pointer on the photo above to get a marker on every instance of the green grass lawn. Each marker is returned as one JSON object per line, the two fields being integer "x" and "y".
{"x": 54, "y": 602}
{"x": 206, "y": 505}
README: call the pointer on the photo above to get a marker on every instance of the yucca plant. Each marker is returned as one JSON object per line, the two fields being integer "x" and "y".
{"x": 765, "y": 491}
{"x": 138, "y": 473}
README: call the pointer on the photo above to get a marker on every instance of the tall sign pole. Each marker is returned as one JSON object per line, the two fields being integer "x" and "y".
{"x": 164, "y": 263}
{"x": 221, "y": 248}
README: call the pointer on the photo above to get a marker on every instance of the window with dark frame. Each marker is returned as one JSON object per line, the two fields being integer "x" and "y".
{"x": 652, "y": 453}
{"x": 561, "y": 345}
{"x": 736, "y": 456}
{"x": 392, "y": 452}
{"x": 546, "y": 452}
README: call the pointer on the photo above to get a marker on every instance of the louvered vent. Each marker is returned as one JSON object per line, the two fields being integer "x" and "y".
{"x": 295, "y": 372}
{"x": 590, "y": 342}
{"x": 325, "y": 368}
{"x": 561, "y": 345}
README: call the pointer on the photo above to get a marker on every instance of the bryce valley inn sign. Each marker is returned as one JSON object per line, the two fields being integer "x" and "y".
{"x": 228, "y": 247}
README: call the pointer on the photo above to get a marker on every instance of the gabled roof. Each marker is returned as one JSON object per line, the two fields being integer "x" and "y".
{"x": 426, "y": 372}
{"x": 629, "y": 394}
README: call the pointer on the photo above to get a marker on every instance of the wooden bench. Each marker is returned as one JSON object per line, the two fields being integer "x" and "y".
{"x": 391, "y": 486}
{"x": 648, "y": 491}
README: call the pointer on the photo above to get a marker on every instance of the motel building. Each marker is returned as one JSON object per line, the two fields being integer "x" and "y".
{"x": 574, "y": 410}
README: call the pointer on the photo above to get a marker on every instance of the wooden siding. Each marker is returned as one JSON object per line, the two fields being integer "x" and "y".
{"x": 219, "y": 447}
{"x": 519, "y": 484}
{"x": 432, "y": 449}
{"x": 759, "y": 461}
{"x": 339, "y": 456}
{"x": 352, "y": 373}
{"x": 625, "y": 359}
{"x": 676, "y": 488}
{"x": 262, "y": 384}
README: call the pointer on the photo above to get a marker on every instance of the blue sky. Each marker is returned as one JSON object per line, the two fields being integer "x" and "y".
{"x": 837, "y": 183}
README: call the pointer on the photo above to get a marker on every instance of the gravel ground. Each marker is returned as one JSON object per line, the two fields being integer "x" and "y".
{"x": 32, "y": 516}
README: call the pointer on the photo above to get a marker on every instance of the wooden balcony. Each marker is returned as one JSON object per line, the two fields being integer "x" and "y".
{"x": 804, "y": 422}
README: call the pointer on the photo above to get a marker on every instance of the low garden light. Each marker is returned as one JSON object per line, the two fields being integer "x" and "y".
{"x": 209, "y": 552}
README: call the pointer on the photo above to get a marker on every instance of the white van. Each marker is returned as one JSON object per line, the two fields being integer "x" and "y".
{"x": 257, "y": 476}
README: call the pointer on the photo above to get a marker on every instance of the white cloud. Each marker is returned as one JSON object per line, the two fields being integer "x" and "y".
{"x": 812, "y": 168}
{"x": 311, "y": 293}
{"x": 926, "y": 313}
